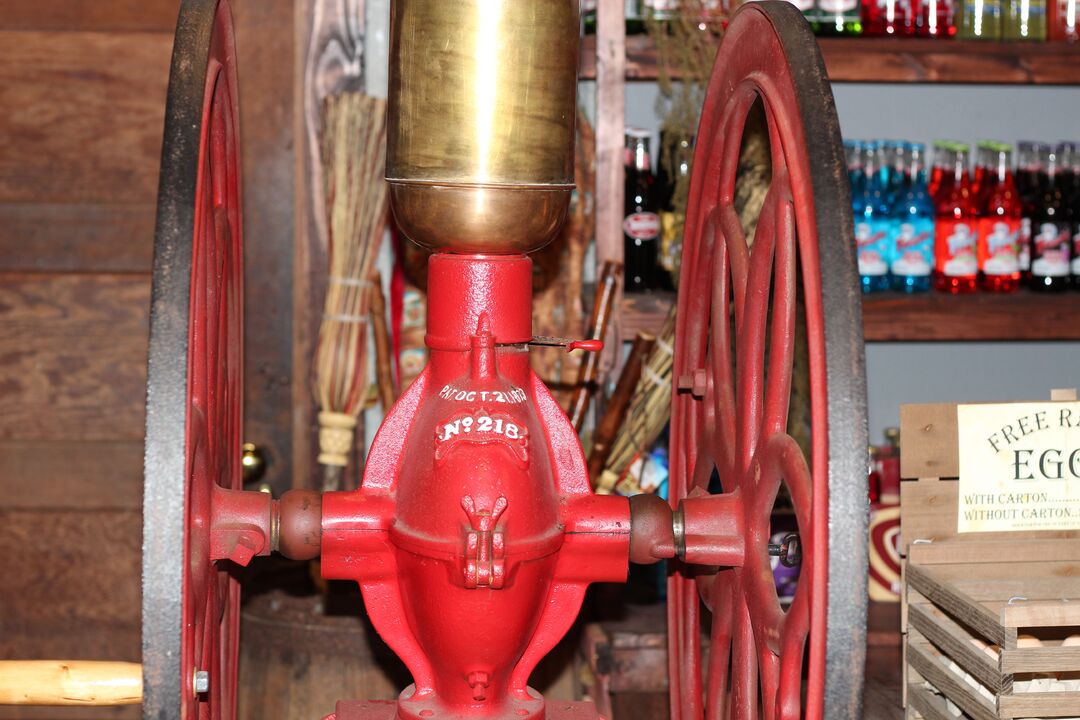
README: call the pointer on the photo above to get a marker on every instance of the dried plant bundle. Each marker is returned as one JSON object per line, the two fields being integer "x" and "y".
{"x": 354, "y": 160}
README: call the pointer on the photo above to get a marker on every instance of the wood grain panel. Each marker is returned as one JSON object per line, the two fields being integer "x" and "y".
{"x": 115, "y": 15}
{"x": 76, "y": 237}
{"x": 264, "y": 43}
{"x": 83, "y": 115}
{"x": 72, "y": 356}
{"x": 61, "y": 474}
{"x": 71, "y": 584}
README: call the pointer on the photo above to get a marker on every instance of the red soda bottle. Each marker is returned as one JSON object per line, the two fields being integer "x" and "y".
{"x": 935, "y": 18}
{"x": 942, "y": 160}
{"x": 892, "y": 18}
{"x": 1063, "y": 21}
{"x": 998, "y": 249}
{"x": 955, "y": 230}
{"x": 984, "y": 163}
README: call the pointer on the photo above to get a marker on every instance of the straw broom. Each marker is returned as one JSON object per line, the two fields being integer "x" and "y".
{"x": 354, "y": 158}
{"x": 649, "y": 411}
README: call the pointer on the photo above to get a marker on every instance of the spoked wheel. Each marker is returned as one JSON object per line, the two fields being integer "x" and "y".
{"x": 194, "y": 404}
{"x": 742, "y": 309}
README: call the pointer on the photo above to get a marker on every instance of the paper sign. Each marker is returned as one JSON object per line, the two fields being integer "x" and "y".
{"x": 1019, "y": 467}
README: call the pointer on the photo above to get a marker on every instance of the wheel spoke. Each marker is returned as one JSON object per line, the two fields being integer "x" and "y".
{"x": 744, "y": 669}
{"x": 782, "y": 331}
{"x": 750, "y": 343}
{"x": 720, "y": 644}
{"x": 720, "y": 356}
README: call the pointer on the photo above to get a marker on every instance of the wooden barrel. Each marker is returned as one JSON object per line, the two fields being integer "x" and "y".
{"x": 300, "y": 654}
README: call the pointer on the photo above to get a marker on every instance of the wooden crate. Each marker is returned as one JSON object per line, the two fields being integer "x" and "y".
{"x": 965, "y": 592}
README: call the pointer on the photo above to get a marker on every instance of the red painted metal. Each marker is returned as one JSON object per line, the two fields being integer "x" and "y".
{"x": 735, "y": 344}
{"x": 209, "y": 641}
{"x": 475, "y": 532}
{"x": 387, "y": 710}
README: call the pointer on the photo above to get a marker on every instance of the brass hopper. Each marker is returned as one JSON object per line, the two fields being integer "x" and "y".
{"x": 481, "y": 122}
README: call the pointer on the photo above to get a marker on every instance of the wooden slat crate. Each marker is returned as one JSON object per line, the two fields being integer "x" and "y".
{"x": 988, "y": 617}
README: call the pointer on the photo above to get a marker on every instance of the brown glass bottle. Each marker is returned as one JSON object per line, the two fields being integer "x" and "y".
{"x": 1051, "y": 231}
{"x": 641, "y": 221}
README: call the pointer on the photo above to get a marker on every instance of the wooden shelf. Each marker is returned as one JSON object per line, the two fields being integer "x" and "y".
{"x": 894, "y": 60}
{"x": 931, "y": 316}
{"x": 1022, "y": 315}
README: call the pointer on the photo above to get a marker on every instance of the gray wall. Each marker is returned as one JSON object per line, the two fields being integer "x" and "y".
{"x": 942, "y": 372}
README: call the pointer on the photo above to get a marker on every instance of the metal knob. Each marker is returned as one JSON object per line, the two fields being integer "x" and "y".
{"x": 253, "y": 462}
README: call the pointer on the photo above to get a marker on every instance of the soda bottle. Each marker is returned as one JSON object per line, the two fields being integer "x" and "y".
{"x": 587, "y": 10}
{"x": 978, "y": 20}
{"x": 837, "y": 18}
{"x": 1063, "y": 24}
{"x": 955, "y": 229}
{"x": 891, "y": 18}
{"x": 913, "y": 243}
{"x": 873, "y": 222}
{"x": 1024, "y": 20}
{"x": 1051, "y": 233}
{"x": 942, "y": 160}
{"x": 935, "y": 19}
{"x": 895, "y": 173}
{"x": 1069, "y": 163}
{"x": 984, "y": 164}
{"x": 635, "y": 18}
{"x": 1030, "y": 184}
{"x": 853, "y": 157}
{"x": 641, "y": 223}
{"x": 999, "y": 225}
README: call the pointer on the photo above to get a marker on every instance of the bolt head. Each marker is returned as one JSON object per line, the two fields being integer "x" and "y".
{"x": 202, "y": 682}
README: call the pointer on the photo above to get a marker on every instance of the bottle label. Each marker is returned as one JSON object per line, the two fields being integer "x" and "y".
{"x": 1050, "y": 251}
{"x": 872, "y": 240}
{"x": 954, "y": 248}
{"x": 642, "y": 226}
{"x": 998, "y": 246}
{"x": 913, "y": 252}
{"x": 588, "y": 6}
{"x": 662, "y": 7}
{"x": 1024, "y": 255}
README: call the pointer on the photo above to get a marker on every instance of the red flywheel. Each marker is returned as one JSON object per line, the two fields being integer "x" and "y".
{"x": 745, "y": 306}
{"x": 195, "y": 380}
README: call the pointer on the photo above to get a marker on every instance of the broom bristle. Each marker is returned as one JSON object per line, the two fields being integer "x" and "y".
{"x": 354, "y": 158}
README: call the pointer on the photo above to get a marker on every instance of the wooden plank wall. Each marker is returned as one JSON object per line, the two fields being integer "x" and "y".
{"x": 82, "y": 99}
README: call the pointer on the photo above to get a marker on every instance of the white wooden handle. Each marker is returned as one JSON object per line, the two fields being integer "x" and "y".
{"x": 69, "y": 682}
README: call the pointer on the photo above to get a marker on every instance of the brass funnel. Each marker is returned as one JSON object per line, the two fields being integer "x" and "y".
{"x": 481, "y": 121}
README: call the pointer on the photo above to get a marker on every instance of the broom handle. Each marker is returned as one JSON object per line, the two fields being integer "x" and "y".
{"x": 384, "y": 374}
{"x": 618, "y": 404}
{"x": 70, "y": 682}
{"x": 598, "y": 324}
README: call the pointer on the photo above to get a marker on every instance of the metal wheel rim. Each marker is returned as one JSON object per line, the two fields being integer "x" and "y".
{"x": 195, "y": 379}
{"x": 769, "y": 52}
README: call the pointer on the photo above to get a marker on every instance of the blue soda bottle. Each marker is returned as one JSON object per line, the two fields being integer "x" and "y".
{"x": 873, "y": 221}
{"x": 912, "y": 258}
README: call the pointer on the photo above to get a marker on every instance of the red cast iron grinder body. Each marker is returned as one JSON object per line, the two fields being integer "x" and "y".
{"x": 475, "y": 533}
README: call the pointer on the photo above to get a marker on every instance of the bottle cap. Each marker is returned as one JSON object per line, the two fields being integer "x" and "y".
{"x": 638, "y": 133}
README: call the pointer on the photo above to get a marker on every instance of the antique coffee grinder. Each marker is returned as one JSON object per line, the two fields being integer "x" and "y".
{"x": 475, "y": 533}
